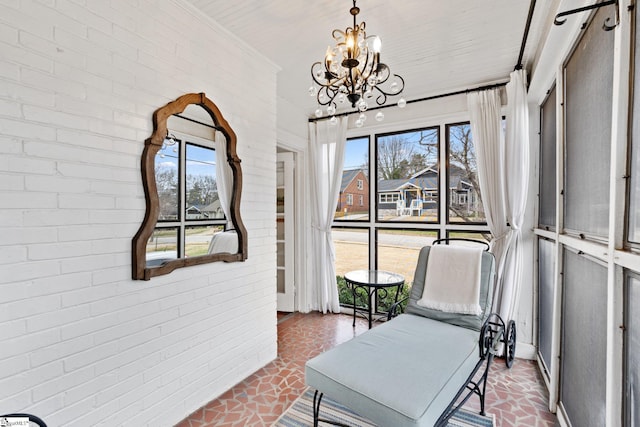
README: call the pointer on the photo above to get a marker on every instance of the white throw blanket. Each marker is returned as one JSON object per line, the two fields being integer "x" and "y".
{"x": 452, "y": 280}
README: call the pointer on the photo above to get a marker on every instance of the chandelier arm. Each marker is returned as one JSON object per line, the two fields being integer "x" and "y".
{"x": 382, "y": 98}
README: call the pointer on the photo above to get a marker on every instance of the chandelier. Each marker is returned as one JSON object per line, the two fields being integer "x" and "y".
{"x": 352, "y": 71}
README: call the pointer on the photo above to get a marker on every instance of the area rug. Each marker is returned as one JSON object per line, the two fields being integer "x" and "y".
{"x": 300, "y": 414}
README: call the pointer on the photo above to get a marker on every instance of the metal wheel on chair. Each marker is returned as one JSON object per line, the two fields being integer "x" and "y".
{"x": 510, "y": 344}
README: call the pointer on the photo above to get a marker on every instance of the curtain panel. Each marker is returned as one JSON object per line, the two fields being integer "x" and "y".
{"x": 224, "y": 175}
{"x": 326, "y": 156}
{"x": 503, "y": 175}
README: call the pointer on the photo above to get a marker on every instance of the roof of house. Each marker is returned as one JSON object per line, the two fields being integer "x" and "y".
{"x": 349, "y": 175}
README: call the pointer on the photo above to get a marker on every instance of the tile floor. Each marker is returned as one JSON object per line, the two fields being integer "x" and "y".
{"x": 517, "y": 397}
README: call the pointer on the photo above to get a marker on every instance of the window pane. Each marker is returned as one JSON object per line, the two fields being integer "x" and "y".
{"x": 407, "y": 173}
{"x": 465, "y": 201}
{"x": 201, "y": 191}
{"x": 475, "y": 235}
{"x": 634, "y": 183}
{"x": 633, "y": 351}
{"x": 588, "y": 100}
{"x": 398, "y": 251}
{"x": 353, "y": 203}
{"x": 547, "y": 184}
{"x": 352, "y": 253}
{"x": 198, "y": 239}
{"x": 584, "y": 340}
{"x": 162, "y": 246}
{"x": 166, "y": 171}
{"x": 546, "y": 267}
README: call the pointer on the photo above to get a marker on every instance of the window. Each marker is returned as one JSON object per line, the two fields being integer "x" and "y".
{"x": 406, "y": 168}
{"x": 547, "y": 183}
{"x": 465, "y": 200}
{"x": 588, "y": 77}
{"x": 633, "y": 211}
{"x": 406, "y": 213}
{"x": 355, "y": 181}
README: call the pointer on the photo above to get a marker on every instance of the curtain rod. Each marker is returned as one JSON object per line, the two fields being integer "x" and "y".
{"x": 428, "y": 98}
{"x": 196, "y": 121}
{"x": 527, "y": 27}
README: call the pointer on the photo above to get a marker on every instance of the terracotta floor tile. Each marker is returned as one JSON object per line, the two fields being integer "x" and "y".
{"x": 517, "y": 397}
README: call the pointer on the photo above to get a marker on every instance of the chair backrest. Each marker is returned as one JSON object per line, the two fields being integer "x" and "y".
{"x": 471, "y": 321}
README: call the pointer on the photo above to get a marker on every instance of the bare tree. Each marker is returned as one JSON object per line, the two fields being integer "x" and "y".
{"x": 462, "y": 156}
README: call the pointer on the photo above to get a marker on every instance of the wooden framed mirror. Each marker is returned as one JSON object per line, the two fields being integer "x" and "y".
{"x": 192, "y": 183}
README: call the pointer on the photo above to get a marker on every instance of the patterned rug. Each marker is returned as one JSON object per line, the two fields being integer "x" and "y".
{"x": 300, "y": 414}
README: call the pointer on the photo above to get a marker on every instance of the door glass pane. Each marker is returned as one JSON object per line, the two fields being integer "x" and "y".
{"x": 352, "y": 253}
{"x": 166, "y": 172}
{"x": 463, "y": 190}
{"x": 634, "y": 184}
{"x": 547, "y": 190}
{"x": 353, "y": 201}
{"x": 162, "y": 246}
{"x": 546, "y": 268}
{"x": 201, "y": 190}
{"x": 632, "y": 397}
{"x": 408, "y": 175}
{"x": 198, "y": 240}
{"x": 588, "y": 99}
{"x": 584, "y": 341}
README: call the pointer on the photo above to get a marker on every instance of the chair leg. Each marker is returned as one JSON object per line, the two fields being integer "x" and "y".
{"x": 316, "y": 408}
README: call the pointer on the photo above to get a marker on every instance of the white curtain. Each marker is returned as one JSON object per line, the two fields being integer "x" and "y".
{"x": 503, "y": 171}
{"x": 326, "y": 156}
{"x": 516, "y": 187}
{"x": 224, "y": 175}
{"x": 488, "y": 140}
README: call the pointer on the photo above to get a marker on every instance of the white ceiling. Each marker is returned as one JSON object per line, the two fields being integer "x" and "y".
{"x": 437, "y": 46}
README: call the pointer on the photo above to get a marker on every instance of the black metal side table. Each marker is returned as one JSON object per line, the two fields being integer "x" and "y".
{"x": 372, "y": 281}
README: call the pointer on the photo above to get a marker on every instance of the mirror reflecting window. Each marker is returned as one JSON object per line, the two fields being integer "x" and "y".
{"x": 192, "y": 181}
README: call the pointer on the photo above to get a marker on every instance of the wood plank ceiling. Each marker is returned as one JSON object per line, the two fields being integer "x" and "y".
{"x": 436, "y": 46}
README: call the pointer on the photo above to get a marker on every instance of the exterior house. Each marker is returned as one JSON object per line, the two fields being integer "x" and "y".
{"x": 418, "y": 194}
{"x": 354, "y": 193}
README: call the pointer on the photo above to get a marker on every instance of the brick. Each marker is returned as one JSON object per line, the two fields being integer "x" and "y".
{"x": 49, "y": 49}
{"x": 11, "y": 182}
{"x": 12, "y": 329}
{"x": 55, "y": 184}
{"x": 85, "y": 263}
{"x": 22, "y": 93}
{"x": 16, "y": 236}
{"x": 10, "y": 145}
{"x": 26, "y": 130}
{"x": 14, "y": 365}
{"x": 84, "y": 232}
{"x": 54, "y": 217}
{"x": 59, "y": 352}
{"x": 58, "y": 250}
{"x": 40, "y": 79}
{"x": 55, "y": 118}
{"x": 10, "y": 109}
{"x": 19, "y": 199}
{"x": 90, "y": 356}
{"x": 28, "y": 342}
{"x": 67, "y": 381}
{"x": 23, "y": 19}
{"x": 81, "y": 201}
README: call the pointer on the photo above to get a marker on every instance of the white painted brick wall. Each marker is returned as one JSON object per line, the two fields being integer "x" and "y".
{"x": 83, "y": 344}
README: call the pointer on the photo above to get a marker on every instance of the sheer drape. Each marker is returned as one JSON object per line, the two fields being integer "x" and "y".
{"x": 488, "y": 140}
{"x": 224, "y": 175}
{"x": 503, "y": 175}
{"x": 516, "y": 186}
{"x": 326, "y": 156}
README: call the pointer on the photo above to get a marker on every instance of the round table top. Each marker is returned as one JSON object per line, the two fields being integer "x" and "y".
{"x": 377, "y": 278}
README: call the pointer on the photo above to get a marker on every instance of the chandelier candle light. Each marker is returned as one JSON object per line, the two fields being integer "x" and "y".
{"x": 352, "y": 71}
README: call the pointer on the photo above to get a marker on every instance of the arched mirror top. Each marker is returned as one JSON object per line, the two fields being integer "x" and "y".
{"x": 192, "y": 182}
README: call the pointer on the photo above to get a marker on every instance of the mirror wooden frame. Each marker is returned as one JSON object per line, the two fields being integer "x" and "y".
{"x": 140, "y": 271}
